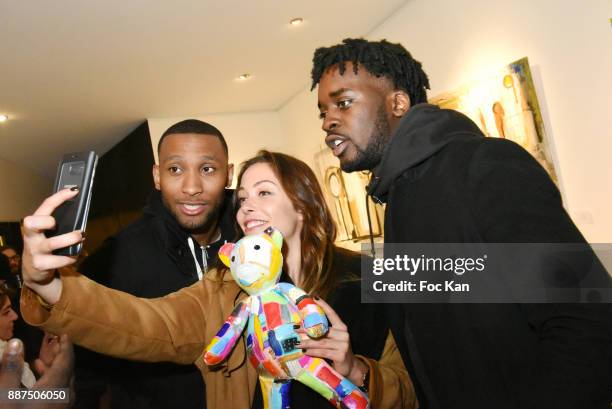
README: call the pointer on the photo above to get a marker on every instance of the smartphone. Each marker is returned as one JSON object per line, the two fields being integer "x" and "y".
{"x": 75, "y": 169}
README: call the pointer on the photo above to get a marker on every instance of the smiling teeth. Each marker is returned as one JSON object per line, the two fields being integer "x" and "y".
{"x": 254, "y": 223}
{"x": 337, "y": 142}
{"x": 191, "y": 207}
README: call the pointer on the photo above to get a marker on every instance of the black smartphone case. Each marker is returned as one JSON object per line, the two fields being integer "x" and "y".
{"x": 75, "y": 169}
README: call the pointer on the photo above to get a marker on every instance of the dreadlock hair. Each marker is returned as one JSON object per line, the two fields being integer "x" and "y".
{"x": 379, "y": 58}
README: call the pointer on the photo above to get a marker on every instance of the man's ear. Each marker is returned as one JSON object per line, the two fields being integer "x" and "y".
{"x": 230, "y": 175}
{"x": 400, "y": 103}
{"x": 156, "y": 177}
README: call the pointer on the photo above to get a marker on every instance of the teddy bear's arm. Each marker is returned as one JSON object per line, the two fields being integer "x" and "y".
{"x": 314, "y": 320}
{"x": 226, "y": 338}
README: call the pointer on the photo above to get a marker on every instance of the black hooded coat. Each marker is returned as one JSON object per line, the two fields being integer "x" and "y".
{"x": 444, "y": 182}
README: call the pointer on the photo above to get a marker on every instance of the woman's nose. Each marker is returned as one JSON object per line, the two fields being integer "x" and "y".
{"x": 246, "y": 206}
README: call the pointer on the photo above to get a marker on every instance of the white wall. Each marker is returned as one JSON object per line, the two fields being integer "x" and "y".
{"x": 245, "y": 133}
{"x": 569, "y": 45}
{"x": 21, "y": 191}
{"x": 299, "y": 118}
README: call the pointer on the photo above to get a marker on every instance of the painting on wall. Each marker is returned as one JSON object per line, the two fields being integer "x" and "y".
{"x": 345, "y": 194}
{"x": 505, "y": 105}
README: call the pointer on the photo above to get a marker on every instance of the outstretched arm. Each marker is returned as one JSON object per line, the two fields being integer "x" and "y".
{"x": 111, "y": 322}
{"x": 314, "y": 320}
{"x": 226, "y": 338}
{"x": 171, "y": 328}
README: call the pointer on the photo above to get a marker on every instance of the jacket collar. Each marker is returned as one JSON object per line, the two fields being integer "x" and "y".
{"x": 422, "y": 132}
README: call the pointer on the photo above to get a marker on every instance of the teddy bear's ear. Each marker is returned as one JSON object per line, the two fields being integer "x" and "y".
{"x": 225, "y": 252}
{"x": 276, "y": 236}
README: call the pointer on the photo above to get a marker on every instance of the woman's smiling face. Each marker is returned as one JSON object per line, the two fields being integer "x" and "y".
{"x": 263, "y": 203}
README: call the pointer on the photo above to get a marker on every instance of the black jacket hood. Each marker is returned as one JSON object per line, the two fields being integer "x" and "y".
{"x": 422, "y": 132}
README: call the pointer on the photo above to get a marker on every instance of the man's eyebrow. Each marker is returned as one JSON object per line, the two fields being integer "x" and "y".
{"x": 338, "y": 92}
{"x": 179, "y": 157}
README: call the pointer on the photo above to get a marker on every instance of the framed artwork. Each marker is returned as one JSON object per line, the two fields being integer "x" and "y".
{"x": 505, "y": 105}
{"x": 345, "y": 194}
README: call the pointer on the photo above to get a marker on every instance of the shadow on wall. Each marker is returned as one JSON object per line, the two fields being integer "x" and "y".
{"x": 121, "y": 186}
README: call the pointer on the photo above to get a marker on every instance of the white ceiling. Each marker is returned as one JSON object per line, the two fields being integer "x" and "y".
{"x": 78, "y": 75}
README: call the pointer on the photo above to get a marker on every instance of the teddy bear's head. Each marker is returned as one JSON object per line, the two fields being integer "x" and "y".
{"x": 255, "y": 261}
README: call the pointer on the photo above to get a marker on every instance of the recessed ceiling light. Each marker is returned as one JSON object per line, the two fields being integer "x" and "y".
{"x": 3, "y": 118}
{"x": 296, "y": 21}
{"x": 244, "y": 76}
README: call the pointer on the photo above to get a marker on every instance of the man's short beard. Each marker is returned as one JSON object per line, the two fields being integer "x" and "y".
{"x": 368, "y": 158}
{"x": 204, "y": 226}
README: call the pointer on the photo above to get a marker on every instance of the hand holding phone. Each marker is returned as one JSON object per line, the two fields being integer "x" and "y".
{"x": 75, "y": 170}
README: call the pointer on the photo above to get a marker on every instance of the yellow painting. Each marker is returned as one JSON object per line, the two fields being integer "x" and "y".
{"x": 505, "y": 105}
{"x": 345, "y": 194}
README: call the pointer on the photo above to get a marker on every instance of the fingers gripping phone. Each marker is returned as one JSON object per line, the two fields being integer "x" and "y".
{"x": 75, "y": 169}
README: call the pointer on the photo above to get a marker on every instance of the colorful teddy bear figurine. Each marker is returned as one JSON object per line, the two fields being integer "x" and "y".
{"x": 273, "y": 310}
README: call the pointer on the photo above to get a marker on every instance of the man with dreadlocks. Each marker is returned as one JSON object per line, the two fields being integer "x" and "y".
{"x": 443, "y": 182}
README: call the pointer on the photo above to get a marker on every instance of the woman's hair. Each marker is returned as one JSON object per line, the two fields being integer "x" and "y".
{"x": 318, "y": 230}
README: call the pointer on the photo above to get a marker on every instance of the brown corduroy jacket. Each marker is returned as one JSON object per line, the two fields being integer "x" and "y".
{"x": 177, "y": 328}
